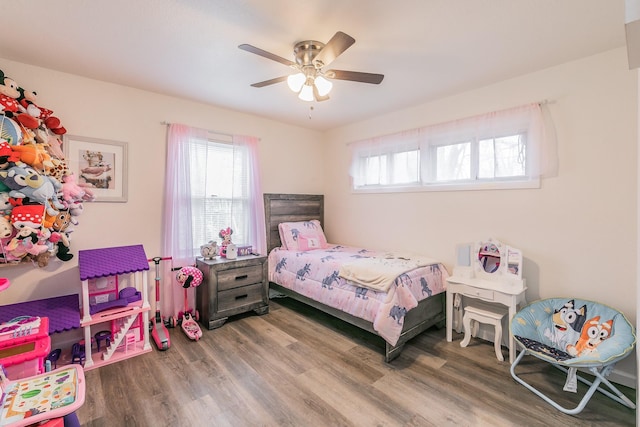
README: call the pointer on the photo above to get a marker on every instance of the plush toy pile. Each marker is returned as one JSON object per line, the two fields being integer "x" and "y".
{"x": 39, "y": 197}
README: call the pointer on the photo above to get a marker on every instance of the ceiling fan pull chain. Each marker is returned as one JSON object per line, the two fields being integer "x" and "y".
{"x": 310, "y": 110}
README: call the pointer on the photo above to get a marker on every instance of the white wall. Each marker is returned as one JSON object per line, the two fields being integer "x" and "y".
{"x": 577, "y": 232}
{"x": 100, "y": 110}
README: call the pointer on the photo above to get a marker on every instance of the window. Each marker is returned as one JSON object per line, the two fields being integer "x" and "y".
{"x": 496, "y": 150}
{"x": 493, "y": 159}
{"x": 212, "y": 182}
{"x": 219, "y": 190}
{"x": 392, "y": 168}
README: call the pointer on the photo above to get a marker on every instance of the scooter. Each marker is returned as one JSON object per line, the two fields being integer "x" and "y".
{"x": 189, "y": 277}
{"x": 159, "y": 331}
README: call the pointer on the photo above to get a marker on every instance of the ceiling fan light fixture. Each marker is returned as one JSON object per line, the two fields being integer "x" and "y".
{"x": 296, "y": 81}
{"x": 306, "y": 93}
{"x": 323, "y": 85}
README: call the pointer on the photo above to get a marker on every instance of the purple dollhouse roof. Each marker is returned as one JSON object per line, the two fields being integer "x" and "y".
{"x": 95, "y": 263}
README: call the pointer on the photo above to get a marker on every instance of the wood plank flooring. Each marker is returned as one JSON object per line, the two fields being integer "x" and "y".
{"x": 296, "y": 366}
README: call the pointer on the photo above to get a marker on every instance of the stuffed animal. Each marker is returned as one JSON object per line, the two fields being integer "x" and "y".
{"x": 5, "y": 203}
{"x": 189, "y": 277}
{"x": 35, "y": 155}
{"x": 27, "y": 216}
{"x": 27, "y": 104}
{"x": 53, "y": 124}
{"x": 6, "y": 229}
{"x": 225, "y": 235}
{"x": 59, "y": 222}
{"x": 24, "y": 181}
{"x": 72, "y": 191}
{"x": 26, "y": 241}
{"x": 7, "y": 155}
{"x": 9, "y": 105}
{"x": 8, "y": 95}
{"x": 61, "y": 240}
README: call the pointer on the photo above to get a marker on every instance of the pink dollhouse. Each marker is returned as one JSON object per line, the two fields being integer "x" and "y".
{"x": 114, "y": 292}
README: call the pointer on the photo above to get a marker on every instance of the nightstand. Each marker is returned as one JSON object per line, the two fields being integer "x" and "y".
{"x": 231, "y": 287}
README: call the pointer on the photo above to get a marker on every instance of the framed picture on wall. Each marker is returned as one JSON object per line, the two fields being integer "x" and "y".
{"x": 99, "y": 164}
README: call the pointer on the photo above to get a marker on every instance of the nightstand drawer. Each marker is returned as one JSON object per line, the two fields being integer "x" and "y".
{"x": 240, "y": 297}
{"x": 237, "y": 277}
{"x": 486, "y": 294}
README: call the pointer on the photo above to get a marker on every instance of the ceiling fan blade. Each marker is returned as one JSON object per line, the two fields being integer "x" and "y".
{"x": 355, "y": 76}
{"x": 270, "y": 82}
{"x": 267, "y": 55}
{"x": 338, "y": 44}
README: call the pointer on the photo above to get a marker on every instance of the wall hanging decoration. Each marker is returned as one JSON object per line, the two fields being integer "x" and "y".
{"x": 99, "y": 164}
{"x": 40, "y": 197}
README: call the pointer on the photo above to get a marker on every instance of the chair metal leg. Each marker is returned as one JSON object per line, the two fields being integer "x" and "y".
{"x": 600, "y": 378}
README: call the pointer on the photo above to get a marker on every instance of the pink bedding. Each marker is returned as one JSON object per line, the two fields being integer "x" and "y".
{"x": 315, "y": 274}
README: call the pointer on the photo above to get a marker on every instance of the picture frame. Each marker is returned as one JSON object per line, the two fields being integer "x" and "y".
{"x": 100, "y": 164}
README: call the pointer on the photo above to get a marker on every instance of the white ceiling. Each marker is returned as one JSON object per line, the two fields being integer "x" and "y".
{"x": 427, "y": 49}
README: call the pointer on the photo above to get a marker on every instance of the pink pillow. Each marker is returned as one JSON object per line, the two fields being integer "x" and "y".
{"x": 302, "y": 236}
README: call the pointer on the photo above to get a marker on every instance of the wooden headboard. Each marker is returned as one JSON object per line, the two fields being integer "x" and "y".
{"x": 289, "y": 208}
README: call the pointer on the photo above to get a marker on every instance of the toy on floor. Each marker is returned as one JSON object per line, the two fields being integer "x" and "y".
{"x": 24, "y": 345}
{"x": 159, "y": 331}
{"x": 189, "y": 277}
{"x": 115, "y": 276}
{"x": 41, "y": 397}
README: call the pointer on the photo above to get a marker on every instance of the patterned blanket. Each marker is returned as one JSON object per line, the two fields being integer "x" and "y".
{"x": 316, "y": 275}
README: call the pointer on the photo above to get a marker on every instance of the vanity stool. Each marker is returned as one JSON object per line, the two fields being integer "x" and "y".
{"x": 491, "y": 316}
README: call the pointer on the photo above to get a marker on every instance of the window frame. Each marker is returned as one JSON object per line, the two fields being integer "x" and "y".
{"x": 430, "y": 139}
{"x": 219, "y": 143}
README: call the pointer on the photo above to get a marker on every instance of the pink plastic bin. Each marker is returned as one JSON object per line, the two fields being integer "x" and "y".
{"x": 22, "y": 353}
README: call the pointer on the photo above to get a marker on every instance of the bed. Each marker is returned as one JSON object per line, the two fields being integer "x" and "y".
{"x": 394, "y": 305}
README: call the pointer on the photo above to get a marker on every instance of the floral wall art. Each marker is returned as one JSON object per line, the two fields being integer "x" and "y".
{"x": 40, "y": 197}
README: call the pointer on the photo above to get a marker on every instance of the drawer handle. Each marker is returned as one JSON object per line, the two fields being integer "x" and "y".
{"x": 241, "y": 296}
{"x": 244, "y": 276}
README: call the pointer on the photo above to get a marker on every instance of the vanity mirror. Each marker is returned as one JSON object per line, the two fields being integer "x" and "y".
{"x": 490, "y": 260}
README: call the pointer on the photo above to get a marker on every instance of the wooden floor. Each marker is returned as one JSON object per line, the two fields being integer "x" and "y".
{"x": 298, "y": 367}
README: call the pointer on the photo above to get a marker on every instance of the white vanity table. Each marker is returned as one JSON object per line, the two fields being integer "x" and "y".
{"x": 488, "y": 271}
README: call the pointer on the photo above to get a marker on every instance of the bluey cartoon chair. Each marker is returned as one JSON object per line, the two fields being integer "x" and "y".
{"x": 572, "y": 334}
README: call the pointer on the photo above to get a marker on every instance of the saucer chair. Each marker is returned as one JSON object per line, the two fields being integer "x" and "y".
{"x": 572, "y": 334}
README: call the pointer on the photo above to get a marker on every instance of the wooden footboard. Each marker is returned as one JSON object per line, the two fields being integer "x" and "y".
{"x": 429, "y": 312}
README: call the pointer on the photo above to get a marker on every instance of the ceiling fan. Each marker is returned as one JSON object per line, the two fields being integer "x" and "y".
{"x": 310, "y": 81}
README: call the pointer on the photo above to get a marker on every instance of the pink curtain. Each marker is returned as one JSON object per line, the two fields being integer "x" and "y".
{"x": 177, "y": 240}
{"x": 257, "y": 229}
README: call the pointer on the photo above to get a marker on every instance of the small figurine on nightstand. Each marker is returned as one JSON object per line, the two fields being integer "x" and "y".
{"x": 209, "y": 250}
{"x": 225, "y": 235}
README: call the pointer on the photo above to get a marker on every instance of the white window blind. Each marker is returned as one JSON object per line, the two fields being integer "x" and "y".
{"x": 219, "y": 190}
